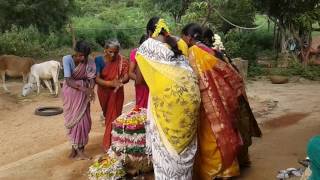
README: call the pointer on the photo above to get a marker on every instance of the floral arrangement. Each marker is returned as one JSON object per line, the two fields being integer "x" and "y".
{"x": 127, "y": 154}
{"x": 160, "y": 25}
{"x": 129, "y": 140}
{"x": 106, "y": 168}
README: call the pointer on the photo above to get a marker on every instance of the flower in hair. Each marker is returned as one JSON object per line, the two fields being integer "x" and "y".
{"x": 159, "y": 26}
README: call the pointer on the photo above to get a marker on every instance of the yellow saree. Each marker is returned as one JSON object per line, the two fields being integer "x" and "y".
{"x": 174, "y": 102}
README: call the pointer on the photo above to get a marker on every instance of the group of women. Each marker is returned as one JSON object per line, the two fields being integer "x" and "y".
{"x": 200, "y": 123}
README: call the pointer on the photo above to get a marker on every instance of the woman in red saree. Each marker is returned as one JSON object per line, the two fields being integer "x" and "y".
{"x": 246, "y": 122}
{"x": 110, "y": 86}
{"x": 220, "y": 86}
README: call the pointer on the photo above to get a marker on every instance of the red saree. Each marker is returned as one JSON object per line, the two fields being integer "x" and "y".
{"x": 111, "y": 102}
{"x": 220, "y": 87}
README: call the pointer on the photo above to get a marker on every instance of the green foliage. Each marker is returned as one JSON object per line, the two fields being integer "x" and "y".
{"x": 176, "y": 8}
{"x": 45, "y": 15}
{"x": 240, "y": 12}
{"x": 254, "y": 42}
{"x": 24, "y": 42}
{"x": 247, "y": 44}
{"x": 29, "y": 42}
{"x": 294, "y": 18}
{"x": 108, "y": 20}
{"x": 297, "y": 69}
{"x": 256, "y": 70}
{"x": 298, "y": 13}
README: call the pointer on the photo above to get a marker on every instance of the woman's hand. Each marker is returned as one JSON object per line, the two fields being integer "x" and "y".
{"x": 116, "y": 89}
{"x": 116, "y": 83}
{"x": 92, "y": 95}
{"x": 89, "y": 93}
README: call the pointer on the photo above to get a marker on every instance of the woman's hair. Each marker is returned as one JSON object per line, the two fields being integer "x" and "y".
{"x": 194, "y": 30}
{"x": 83, "y": 47}
{"x": 143, "y": 38}
{"x": 172, "y": 42}
{"x": 151, "y": 25}
{"x": 208, "y": 37}
{"x": 112, "y": 43}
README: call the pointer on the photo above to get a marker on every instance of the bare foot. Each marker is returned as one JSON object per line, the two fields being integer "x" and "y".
{"x": 82, "y": 156}
{"x": 73, "y": 154}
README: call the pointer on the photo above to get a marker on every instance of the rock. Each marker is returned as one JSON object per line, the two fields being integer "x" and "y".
{"x": 242, "y": 66}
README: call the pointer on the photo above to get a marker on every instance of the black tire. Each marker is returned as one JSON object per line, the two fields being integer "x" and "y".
{"x": 48, "y": 111}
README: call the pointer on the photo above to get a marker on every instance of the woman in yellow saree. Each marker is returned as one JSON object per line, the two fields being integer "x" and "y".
{"x": 174, "y": 102}
{"x": 218, "y": 138}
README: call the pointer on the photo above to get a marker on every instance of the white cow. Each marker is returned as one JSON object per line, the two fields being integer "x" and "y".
{"x": 43, "y": 71}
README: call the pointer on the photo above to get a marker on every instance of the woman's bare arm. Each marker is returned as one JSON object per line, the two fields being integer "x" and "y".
{"x": 101, "y": 82}
{"x": 132, "y": 73}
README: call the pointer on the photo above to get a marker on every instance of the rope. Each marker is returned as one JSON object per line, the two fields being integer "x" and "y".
{"x": 109, "y": 28}
{"x": 240, "y": 27}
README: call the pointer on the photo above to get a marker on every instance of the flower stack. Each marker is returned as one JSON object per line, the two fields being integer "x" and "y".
{"x": 129, "y": 140}
{"x": 107, "y": 167}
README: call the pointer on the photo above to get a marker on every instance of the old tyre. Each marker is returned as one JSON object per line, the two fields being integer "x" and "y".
{"x": 48, "y": 111}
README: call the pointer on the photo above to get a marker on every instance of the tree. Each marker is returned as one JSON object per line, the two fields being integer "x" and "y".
{"x": 45, "y": 15}
{"x": 241, "y": 12}
{"x": 176, "y": 8}
{"x": 294, "y": 19}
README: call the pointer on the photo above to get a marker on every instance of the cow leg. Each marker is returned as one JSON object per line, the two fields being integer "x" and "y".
{"x": 3, "y": 76}
{"x": 24, "y": 78}
{"x": 48, "y": 84}
{"x": 38, "y": 84}
{"x": 56, "y": 82}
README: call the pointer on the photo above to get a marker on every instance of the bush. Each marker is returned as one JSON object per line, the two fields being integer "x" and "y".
{"x": 96, "y": 31}
{"x": 311, "y": 72}
{"x": 295, "y": 68}
{"x": 256, "y": 70}
{"x": 30, "y": 42}
{"x": 242, "y": 45}
{"x": 248, "y": 45}
{"x": 21, "y": 42}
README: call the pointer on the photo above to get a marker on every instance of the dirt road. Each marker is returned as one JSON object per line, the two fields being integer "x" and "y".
{"x": 35, "y": 147}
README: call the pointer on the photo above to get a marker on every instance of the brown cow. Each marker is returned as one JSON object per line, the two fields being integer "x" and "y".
{"x": 15, "y": 66}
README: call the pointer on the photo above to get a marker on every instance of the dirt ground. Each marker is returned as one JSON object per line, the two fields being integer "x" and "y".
{"x": 36, "y": 147}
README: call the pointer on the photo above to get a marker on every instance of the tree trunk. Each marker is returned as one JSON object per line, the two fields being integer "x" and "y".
{"x": 275, "y": 37}
{"x": 283, "y": 44}
{"x": 305, "y": 51}
{"x": 242, "y": 66}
